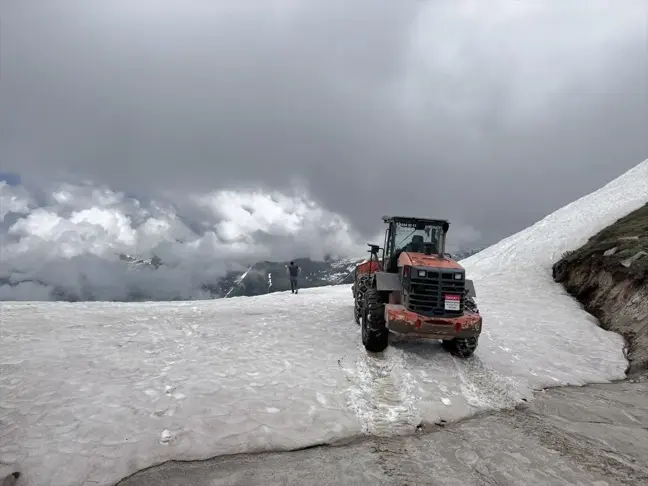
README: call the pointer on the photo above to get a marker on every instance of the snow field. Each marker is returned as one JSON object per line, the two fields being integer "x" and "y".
{"x": 90, "y": 393}
{"x": 527, "y": 314}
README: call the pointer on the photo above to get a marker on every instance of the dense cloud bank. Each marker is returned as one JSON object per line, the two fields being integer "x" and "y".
{"x": 88, "y": 242}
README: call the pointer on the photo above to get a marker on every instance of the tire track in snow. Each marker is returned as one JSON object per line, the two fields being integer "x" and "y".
{"x": 486, "y": 389}
{"x": 480, "y": 386}
{"x": 388, "y": 389}
{"x": 383, "y": 393}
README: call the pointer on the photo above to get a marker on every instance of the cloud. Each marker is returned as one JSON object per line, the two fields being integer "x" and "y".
{"x": 71, "y": 244}
{"x": 491, "y": 114}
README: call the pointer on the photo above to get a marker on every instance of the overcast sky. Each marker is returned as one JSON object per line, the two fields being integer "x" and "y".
{"x": 491, "y": 113}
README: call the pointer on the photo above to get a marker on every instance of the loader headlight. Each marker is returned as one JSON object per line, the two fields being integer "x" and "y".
{"x": 458, "y": 276}
{"x": 421, "y": 273}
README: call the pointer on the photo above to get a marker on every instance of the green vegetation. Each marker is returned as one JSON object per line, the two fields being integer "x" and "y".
{"x": 621, "y": 249}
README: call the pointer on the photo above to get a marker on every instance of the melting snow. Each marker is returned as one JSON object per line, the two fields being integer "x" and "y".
{"x": 241, "y": 278}
{"x": 90, "y": 393}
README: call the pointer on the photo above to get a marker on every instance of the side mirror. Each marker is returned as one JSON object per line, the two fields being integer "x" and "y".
{"x": 448, "y": 255}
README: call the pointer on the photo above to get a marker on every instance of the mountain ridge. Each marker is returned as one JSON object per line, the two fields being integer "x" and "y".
{"x": 273, "y": 277}
{"x": 258, "y": 278}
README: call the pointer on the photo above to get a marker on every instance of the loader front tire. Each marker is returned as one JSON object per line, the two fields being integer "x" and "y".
{"x": 461, "y": 347}
{"x": 375, "y": 335}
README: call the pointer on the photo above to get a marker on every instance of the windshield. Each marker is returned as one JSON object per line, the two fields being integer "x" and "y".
{"x": 408, "y": 238}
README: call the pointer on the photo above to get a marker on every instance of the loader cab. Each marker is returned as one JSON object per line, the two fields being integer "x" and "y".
{"x": 412, "y": 235}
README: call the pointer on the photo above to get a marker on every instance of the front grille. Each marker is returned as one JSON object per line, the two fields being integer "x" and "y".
{"x": 425, "y": 295}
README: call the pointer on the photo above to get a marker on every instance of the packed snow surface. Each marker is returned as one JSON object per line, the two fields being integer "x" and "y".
{"x": 93, "y": 392}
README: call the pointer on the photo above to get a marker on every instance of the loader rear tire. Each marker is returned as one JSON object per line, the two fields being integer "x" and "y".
{"x": 359, "y": 290}
{"x": 357, "y": 313}
{"x": 375, "y": 335}
{"x": 461, "y": 347}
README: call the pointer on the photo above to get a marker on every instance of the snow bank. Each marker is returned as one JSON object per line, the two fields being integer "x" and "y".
{"x": 541, "y": 245}
{"x": 90, "y": 393}
{"x": 528, "y": 316}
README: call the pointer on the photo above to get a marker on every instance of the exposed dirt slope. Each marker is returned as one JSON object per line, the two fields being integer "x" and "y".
{"x": 609, "y": 276}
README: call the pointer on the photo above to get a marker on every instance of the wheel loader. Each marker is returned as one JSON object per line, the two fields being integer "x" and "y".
{"x": 415, "y": 288}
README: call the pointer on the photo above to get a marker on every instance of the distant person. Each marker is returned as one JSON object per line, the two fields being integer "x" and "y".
{"x": 293, "y": 273}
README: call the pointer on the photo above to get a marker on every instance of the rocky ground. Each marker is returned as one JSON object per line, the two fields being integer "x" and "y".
{"x": 594, "y": 435}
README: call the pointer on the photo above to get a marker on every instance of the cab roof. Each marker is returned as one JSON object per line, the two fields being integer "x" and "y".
{"x": 413, "y": 219}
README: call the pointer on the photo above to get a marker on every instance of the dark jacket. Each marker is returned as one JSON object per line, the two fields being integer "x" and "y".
{"x": 293, "y": 271}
